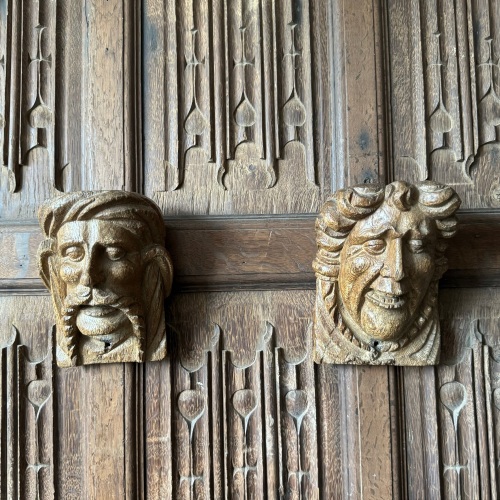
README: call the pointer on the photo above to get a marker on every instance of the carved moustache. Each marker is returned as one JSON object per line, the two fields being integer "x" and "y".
{"x": 87, "y": 296}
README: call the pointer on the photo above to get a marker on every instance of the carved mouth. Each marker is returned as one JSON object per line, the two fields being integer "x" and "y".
{"x": 386, "y": 300}
{"x": 98, "y": 311}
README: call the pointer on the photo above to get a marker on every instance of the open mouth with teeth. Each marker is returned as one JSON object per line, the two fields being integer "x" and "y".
{"x": 386, "y": 300}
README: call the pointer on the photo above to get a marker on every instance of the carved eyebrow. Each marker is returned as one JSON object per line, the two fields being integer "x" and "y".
{"x": 370, "y": 235}
{"x": 70, "y": 243}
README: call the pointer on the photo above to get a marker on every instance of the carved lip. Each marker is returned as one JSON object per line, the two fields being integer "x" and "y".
{"x": 386, "y": 300}
{"x": 98, "y": 311}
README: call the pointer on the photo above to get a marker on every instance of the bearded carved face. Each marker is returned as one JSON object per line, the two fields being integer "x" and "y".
{"x": 387, "y": 266}
{"x": 101, "y": 267}
{"x": 108, "y": 274}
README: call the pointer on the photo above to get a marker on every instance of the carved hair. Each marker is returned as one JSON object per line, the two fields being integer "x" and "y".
{"x": 104, "y": 205}
{"x": 346, "y": 207}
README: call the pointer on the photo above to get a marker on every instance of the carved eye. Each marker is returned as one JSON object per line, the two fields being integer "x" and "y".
{"x": 74, "y": 253}
{"x": 416, "y": 246}
{"x": 374, "y": 246}
{"x": 115, "y": 253}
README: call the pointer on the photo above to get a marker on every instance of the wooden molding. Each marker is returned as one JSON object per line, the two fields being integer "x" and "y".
{"x": 220, "y": 253}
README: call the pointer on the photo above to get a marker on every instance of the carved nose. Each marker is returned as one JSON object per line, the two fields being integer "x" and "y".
{"x": 91, "y": 273}
{"x": 393, "y": 266}
{"x": 85, "y": 279}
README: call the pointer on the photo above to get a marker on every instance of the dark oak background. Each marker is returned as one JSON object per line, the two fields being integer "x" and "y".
{"x": 238, "y": 117}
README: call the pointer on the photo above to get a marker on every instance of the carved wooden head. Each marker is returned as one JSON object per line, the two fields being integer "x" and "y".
{"x": 104, "y": 262}
{"x": 380, "y": 256}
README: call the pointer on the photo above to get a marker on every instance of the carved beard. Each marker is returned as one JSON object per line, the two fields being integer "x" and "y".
{"x": 129, "y": 306}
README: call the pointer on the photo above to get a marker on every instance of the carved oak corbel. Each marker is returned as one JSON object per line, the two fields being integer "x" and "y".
{"x": 379, "y": 259}
{"x": 104, "y": 262}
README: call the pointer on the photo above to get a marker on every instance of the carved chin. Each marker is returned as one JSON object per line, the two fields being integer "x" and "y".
{"x": 100, "y": 320}
{"x": 383, "y": 323}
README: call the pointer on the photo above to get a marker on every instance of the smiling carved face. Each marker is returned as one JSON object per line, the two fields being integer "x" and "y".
{"x": 387, "y": 264}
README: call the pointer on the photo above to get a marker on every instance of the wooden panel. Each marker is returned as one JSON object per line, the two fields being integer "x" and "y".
{"x": 229, "y": 124}
{"x": 444, "y": 95}
{"x": 460, "y": 398}
{"x": 91, "y": 414}
{"x": 74, "y": 128}
{"x": 27, "y": 464}
{"x": 97, "y": 89}
{"x": 27, "y": 105}
{"x": 256, "y": 107}
{"x": 208, "y": 333}
{"x": 251, "y": 391}
{"x": 365, "y": 159}
{"x": 244, "y": 420}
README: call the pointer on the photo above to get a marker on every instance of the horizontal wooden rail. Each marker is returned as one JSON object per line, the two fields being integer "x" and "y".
{"x": 255, "y": 253}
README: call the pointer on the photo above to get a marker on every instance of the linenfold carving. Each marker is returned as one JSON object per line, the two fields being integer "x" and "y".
{"x": 103, "y": 260}
{"x": 380, "y": 256}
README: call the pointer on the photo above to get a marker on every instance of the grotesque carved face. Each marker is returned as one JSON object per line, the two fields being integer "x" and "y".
{"x": 380, "y": 256}
{"x": 104, "y": 262}
{"x": 101, "y": 266}
{"x": 387, "y": 264}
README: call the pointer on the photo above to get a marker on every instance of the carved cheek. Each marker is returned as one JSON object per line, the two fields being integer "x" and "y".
{"x": 361, "y": 264}
{"x": 123, "y": 274}
{"x": 421, "y": 267}
{"x": 69, "y": 273}
{"x": 360, "y": 271}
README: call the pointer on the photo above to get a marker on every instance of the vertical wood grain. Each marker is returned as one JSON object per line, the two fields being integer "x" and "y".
{"x": 27, "y": 106}
{"x": 27, "y": 462}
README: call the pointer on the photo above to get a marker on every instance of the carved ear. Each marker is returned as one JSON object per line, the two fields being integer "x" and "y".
{"x": 162, "y": 258}
{"x": 43, "y": 256}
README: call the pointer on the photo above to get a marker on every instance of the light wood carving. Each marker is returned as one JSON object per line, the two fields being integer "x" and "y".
{"x": 380, "y": 256}
{"x": 104, "y": 262}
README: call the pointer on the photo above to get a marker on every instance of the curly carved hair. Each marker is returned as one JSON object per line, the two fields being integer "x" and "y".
{"x": 348, "y": 206}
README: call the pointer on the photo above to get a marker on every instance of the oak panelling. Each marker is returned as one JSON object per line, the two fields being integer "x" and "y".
{"x": 365, "y": 412}
{"x": 69, "y": 84}
{"x": 87, "y": 421}
{"x": 242, "y": 397}
{"x": 445, "y": 95}
{"x": 257, "y": 252}
{"x": 98, "y": 98}
{"x": 158, "y": 438}
{"x": 229, "y": 123}
{"x": 341, "y": 399}
{"x": 76, "y": 127}
{"x": 422, "y": 457}
{"x": 324, "y": 119}
{"x": 27, "y": 100}
{"x": 220, "y": 347}
{"x": 95, "y": 97}
{"x": 379, "y": 90}
{"x": 330, "y": 416}
{"x": 363, "y": 73}
{"x": 26, "y": 404}
{"x": 460, "y": 399}
{"x": 228, "y": 119}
